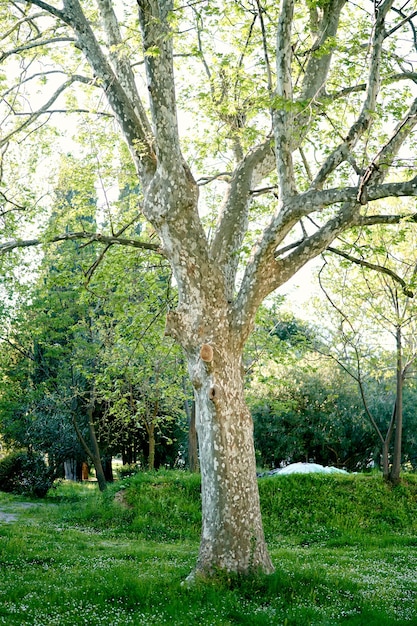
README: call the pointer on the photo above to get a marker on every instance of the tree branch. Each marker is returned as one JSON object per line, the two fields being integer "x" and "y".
{"x": 44, "y": 109}
{"x": 35, "y": 44}
{"x": 376, "y": 267}
{"x": 282, "y": 115}
{"x": 232, "y": 223}
{"x": 133, "y": 125}
{"x": 121, "y": 61}
{"x": 157, "y": 43}
{"x": 378, "y": 168}
{"x": 364, "y": 119}
{"x": 318, "y": 65}
{"x": 71, "y": 236}
{"x": 362, "y": 87}
{"x": 47, "y": 7}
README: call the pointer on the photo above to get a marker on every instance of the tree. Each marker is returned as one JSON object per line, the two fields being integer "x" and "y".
{"x": 337, "y": 145}
{"x": 373, "y": 302}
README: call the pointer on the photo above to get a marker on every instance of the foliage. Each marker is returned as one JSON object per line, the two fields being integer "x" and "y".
{"x": 91, "y": 327}
{"x": 25, "y": 473}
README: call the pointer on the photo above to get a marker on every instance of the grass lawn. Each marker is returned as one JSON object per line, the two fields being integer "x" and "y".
{"x": 345, "y": 551}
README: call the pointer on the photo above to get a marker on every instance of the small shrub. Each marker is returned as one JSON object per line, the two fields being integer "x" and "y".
{"x": 25, "y": 474}
{"x": 130, "y": 469}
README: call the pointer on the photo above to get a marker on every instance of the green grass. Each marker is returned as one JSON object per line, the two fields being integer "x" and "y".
{"x": 344, "y": 550}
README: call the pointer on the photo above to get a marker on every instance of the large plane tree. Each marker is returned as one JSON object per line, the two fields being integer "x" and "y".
{"x": 298, "y": 115}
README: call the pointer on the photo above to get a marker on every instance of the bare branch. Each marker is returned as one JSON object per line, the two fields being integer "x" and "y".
{"x": 71, "y": 236}
{"x": 18, "y": 23}
{"x": 376, "y": 171}
{"x": 44, "y": 109}
{"x": 375, "y": 267}
{"x": 67, "y": 111}
{"x": 205, "y": 180}
{"x": 35, "y": 44}
{"x": 264, "y": 44}
{"x": 358, "y": 375}
{"x": 405, "y": 20}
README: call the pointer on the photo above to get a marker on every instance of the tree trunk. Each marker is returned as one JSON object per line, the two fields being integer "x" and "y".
{"x": 396, "y": 459}
{"x": 192, "y": 436}
{"x": 151, "y": 457}
{"x": 386, "y": 445}
{"x": 232, "y": 535}
{"x": 385, "y": 460}
{"x": 70, "y": 469}
{"x": 107, "y": 463}
{"x": 95, "y": 455}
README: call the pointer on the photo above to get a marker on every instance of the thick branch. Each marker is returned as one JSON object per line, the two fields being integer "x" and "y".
{"x": 157, "y": 43}
{"x": 120, "y": 60}
{"x": 365, "y": 117}
{"x": 265, "y": 273}
{"x": 233, "y": 221}
{"x": 314, "y": 200}
{"x": 318, "y": 65}
{"x": 362, "y": 86}
{"x": 134, "y": 128}
{"x": 282, "y": 115}
{"x": 372, "y": 220}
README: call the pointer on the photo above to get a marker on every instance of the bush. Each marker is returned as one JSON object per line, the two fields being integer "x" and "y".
{"x": 130, "y": 469}
{"x": 25, "y": 473}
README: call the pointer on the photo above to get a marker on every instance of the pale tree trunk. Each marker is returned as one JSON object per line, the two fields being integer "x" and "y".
{"x": 192, "y": 447}
{"x": 232, "y": 535}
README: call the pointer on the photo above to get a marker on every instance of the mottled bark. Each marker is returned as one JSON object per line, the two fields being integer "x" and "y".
{"x": 232, "y": 535}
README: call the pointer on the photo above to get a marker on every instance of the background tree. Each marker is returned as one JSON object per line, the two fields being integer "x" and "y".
{"x": 373, "y": 307}
{"x": 298, "y": 154}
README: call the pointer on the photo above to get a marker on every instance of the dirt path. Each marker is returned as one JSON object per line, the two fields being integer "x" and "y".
{"x": 10, "y": 512}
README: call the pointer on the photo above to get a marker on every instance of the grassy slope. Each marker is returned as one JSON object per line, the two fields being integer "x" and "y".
{"x": 344, "y": 550}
